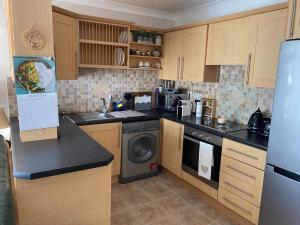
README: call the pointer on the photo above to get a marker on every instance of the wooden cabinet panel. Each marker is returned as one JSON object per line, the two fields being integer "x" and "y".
{"x": 293, "y": 26}
{"x": 23, "y": 20}
{"x": 172, "y": 146}
{"x": 172, "y": 55}
{"x": 193, "y": 54}
{"x": 109, "y": 136}
{"x": 242, "y": 171}
{"x": 270, "y": 32}
{"x": 244, "y": 153}
{"x": 227, "y": 42}
{"x": 246, "y": 191}
{"x": 65, "y": 32}
{"x": 200, "y": 185}
{"x": 82, "y": 197}
{"x": 239, "y": 205}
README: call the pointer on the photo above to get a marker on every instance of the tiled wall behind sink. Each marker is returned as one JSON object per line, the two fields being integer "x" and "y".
{"x": 234, "y": 99}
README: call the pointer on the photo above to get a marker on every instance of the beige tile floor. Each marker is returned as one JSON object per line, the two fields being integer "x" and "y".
{"x": 162, "y": 200}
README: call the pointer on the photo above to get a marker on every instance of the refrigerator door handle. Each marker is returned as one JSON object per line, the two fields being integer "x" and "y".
{"x": 286, "y": 173}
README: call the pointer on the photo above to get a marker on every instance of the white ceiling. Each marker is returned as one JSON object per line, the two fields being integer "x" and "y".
{"x": 170, "y": 6}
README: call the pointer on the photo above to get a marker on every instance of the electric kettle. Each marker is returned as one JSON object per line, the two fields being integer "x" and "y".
{"x": 255, "y": 122}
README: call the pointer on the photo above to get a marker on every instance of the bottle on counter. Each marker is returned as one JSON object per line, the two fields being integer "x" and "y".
{"x": 198, "y": 108}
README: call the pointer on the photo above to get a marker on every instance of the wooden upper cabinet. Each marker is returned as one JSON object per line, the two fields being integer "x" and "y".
{"x": 65, "y": 31}
{"x": 172, "y": 55}
{"x": 293, "y": 25}
{"x": 269, "y": 31}
{"x": 193, "y": 54}
{"x": 185, "y": 53}
{"x": 109, "y": 136}
{"x": 27, "y": 15}
{"x": 172, "y": 142}
{"x": 227, "y": 42}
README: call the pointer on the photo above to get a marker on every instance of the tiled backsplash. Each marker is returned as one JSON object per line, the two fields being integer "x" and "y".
{"x": 234, "y": 99}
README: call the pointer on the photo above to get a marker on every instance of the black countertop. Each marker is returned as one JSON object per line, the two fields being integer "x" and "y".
{"x": 249, "y": 138}
{"x": 234, "y": 131}
{"x": 153, "y": 114}
{"x": 73, "y": 151}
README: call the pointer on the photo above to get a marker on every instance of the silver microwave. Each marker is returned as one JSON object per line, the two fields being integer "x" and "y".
{"x": 169, "y": 101}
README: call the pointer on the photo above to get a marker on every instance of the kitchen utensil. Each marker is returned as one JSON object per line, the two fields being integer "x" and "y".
{"x": 222, "y": 119}
{"x": 157, "y": 65}
{"x": 123, "y": 37}
{"x": 156, "y": 53}
{"x": 158, "y": 40}
{"x": 119, "y": 57}
{"x": 255, "y": 121}
{"x": 148, "y": 53}
{"x": 141, "y": 63}
{"x": 147, "y": 64}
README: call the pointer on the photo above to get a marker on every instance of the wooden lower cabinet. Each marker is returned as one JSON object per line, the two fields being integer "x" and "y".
{"x": 241, "y": 179}
{"x": 172, "y": 143}
{"x": 239, "y": 205}
{"x": 108, "y": 135}
{"x": 82, "y": 197}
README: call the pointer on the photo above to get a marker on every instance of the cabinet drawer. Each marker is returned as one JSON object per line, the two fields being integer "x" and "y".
{"x": 242, "y": 171}
{"x": 246, "y": 191}
{"x": 244, "y": 153}
{"x": 239, "y": 205}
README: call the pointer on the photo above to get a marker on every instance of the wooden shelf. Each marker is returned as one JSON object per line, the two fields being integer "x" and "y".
{"x": 141, "y": 56}
{"x": 104, "y": 43}
{"x": 151, "y": 69}
{"x": 145, "y": 44}
{"x": 102, "y": 66}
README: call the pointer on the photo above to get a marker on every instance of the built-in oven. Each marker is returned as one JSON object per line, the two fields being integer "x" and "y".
{"x": 191, "y": 148}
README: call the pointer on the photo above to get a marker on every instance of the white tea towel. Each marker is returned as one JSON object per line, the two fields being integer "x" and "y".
{"x": 206, "y": 160}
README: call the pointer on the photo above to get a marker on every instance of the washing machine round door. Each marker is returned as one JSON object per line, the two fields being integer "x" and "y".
{"x": 141, "y": 148}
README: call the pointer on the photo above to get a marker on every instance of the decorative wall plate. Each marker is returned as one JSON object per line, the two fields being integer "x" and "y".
{"x": 34, "y": 39}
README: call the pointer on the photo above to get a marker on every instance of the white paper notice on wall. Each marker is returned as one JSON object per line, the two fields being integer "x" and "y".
{"x": 37, "y": 111}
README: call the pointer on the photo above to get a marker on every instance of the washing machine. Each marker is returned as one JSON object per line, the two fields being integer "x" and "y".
{"x": 140, "y": 150}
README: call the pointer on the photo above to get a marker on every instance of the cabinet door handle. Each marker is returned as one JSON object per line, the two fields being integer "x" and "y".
{"x": 242, "y": 153}
{"x": 292, "y": 22}
{"x": 241, "y": 172}
{"x": 182, "y": 67}
{"x": 248, "y": 68}
{"x": 237, "y": 206}
{"x": 120, "y": 136}
{"x": 180, "y": 138}
{"x": 178, "y": 67}
{"x": 238, "y": 189}
{"x": 76, "y": 62}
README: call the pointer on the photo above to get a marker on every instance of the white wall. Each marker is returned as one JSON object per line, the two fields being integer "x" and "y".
{"x": 5, "y": 62}
{"x": 158, "y": 20}
{"x": 221, "y": 8}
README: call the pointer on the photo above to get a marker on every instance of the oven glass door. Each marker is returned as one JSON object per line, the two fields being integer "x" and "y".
{"x": 191, "y": 157}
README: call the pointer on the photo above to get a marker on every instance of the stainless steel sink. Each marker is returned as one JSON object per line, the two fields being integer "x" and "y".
{"x": 89, "y": 116}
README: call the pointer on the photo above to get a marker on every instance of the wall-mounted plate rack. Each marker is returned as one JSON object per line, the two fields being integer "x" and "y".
{"x": 103, "y": 45}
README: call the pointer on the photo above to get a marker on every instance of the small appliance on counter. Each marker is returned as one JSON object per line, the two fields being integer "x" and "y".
{"x": 138, "y": 100}
{"x": 184, "y": 108}
{"x": 259, "y": 124}
{"x": 255, "y": 121}
{"x": 169, "y": 98}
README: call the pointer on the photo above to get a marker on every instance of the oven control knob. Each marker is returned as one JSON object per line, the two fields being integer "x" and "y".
{"x": 194, "y": 133}
{"x": 200, "y": 136}
{"x": 208, "y": 138}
